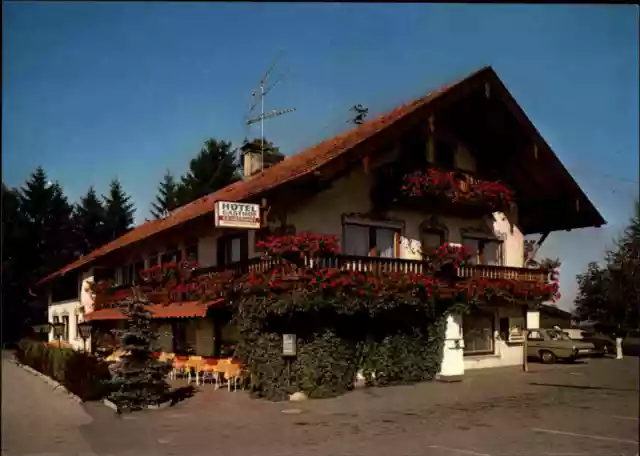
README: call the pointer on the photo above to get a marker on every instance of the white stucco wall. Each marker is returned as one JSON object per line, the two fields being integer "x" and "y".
{"x": 69, "y": 308}
{"x": 505, "y": 353}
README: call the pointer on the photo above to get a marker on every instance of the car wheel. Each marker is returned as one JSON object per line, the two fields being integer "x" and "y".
{"x": 547, "y": 357}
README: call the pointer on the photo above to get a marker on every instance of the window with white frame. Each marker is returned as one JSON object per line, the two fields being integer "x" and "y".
{"x": 478, "y": 327}
{"x": 370, "y": 239}
{"x": 65, "y": 320}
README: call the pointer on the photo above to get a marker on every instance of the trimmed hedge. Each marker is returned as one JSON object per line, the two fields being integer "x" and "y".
{"x": 81, "y": 373}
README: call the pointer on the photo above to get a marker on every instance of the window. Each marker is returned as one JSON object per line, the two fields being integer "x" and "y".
{"x": 152, "y": 260}
{"x": 127, "y": 274}
{"x": 431, "y": 240}
{"x": 65, "y": 320}
{"x": 363, "y": 240}
{"x": 137, "y": 268}
{"x": 477, "y": 330}
{"x": 484, "y": 251}
{"x": 181, "y": 331}
{"x": 445, "y": 154}
{"x": 191, "y": 253}
{"x": 77, "y": 335}
{"x": 535, "y": 335}
{"x": 104, "y": 274}
{"x": 233, "y": 248}
{"x": 173, "y": 254}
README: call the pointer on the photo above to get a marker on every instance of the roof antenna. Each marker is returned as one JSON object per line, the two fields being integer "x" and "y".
{"x": 261, "y": 92}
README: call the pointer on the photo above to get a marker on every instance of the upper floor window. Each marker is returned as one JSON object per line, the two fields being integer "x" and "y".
{"x": 191, "y": 253}
{"x": 484, "y": 251}
{"x": 173, "y": 254}
{"x": 370, "y": 240}
{"x": 431, "y": 240}
{"x": 137, "y": 268}
{"x": 444, "y": 154}
{"x": 233, "y": 248}
{"x": 101, "y": 274}
{"x": 152, "y": 260}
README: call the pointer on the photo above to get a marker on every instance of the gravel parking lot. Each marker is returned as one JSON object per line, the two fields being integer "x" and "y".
{"x": 582, "y": 409}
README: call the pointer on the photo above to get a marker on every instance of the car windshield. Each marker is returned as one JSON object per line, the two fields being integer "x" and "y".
{"x": 558, "y": 335}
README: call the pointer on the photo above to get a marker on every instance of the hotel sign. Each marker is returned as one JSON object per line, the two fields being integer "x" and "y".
{"x": 237, "y": 215}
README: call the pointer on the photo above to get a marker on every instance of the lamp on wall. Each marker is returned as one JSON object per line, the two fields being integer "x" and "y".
{"x": 85, "y": 332}
{"x": 58, "y": 330}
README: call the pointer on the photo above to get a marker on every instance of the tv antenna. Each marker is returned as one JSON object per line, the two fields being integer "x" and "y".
{"x": 261, "y": 92}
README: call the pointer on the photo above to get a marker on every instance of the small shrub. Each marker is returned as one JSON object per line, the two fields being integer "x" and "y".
{"x": 81, "y": 373}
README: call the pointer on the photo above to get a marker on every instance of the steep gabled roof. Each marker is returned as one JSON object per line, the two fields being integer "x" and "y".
{"x": 290, "y": 169}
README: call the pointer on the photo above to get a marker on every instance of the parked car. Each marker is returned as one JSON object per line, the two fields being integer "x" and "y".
{"x": 631, "y": 343}
{"x": 602, "y": 343}
{"x": 549, "y": 345}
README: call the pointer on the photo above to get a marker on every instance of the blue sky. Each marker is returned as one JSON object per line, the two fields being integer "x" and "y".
{"x": 93, "y": 91}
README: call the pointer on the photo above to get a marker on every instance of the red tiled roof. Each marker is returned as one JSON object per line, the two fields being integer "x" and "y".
{"x": 186, "y": 309}
{"x": 287, "y": 170}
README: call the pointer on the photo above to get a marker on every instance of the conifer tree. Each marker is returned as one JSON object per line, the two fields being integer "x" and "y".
{"x": 213, "y": 168}
{"x": 138, "y": 379}
{"x": 167, "y": 198}
{"x": 90, "y": 217}
{"x": 118, "y": 211}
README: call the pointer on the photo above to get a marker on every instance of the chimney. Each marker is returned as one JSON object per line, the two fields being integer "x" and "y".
{"x": 251, "y": 162}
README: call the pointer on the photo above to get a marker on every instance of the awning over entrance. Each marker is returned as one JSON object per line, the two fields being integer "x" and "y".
{"x": 186, "y": 309}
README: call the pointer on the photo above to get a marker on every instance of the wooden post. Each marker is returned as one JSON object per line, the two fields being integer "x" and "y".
{"x": 525, "y": 329}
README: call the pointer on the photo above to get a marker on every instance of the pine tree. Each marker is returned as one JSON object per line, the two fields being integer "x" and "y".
{"x": 167, "y": 198}
{"x": 118, "y": 211}
{"x": 15, "y": 270}
{"x": 213, "y": 168}
{"x": 138, "y": 379}
{"x": 90, "y": 218}
{"x": 48, "y": 226}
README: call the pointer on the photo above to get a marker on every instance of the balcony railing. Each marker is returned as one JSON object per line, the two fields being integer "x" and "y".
{"x": 343, "y": 262}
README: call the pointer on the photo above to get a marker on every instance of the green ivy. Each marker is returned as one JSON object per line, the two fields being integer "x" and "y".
{"x": 395, "y": 342}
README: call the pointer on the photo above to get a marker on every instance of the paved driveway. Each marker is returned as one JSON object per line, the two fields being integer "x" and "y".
{"x": 588, "y": 409}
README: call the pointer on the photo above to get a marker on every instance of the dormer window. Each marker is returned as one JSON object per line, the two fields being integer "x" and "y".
{"x": 444, "y": 154}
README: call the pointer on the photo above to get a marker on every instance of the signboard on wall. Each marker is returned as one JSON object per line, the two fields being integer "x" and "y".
{"x": 237, "y": 215}
{"x": 288, "y": 345}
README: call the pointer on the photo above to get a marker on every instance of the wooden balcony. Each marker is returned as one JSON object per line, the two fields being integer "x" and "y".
{"x": 343, "y": 262}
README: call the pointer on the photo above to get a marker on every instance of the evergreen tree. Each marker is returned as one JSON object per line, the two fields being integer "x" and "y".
{"x": 48, "y": 226}
{"x": 167, "y": 198}
{"x": 90, "y": 217}
{"x": 360, "y": 112}
{"x": 610, "y": 293}
{"x": 14, "y": 268}
{"x": 213, "y": 168}
{"x": 138, "y": 379}
{"x": 118, "y": 211}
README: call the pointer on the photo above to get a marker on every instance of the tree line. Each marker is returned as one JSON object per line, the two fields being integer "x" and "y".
{"x": 42, "y": 231}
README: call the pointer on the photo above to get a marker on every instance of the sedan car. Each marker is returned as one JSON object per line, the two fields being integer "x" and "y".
{"x": 549, "y": 345}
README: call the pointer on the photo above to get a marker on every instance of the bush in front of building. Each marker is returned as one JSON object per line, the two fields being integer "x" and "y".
{"x": 80, "y": 373}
